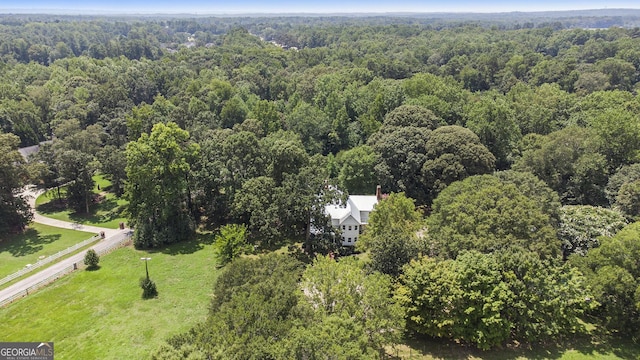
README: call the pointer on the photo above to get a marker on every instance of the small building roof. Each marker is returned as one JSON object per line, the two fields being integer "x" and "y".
{"x": 27, "y": 151}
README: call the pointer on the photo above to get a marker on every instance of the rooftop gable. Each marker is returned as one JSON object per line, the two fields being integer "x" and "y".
{"x": 354, "y": 206}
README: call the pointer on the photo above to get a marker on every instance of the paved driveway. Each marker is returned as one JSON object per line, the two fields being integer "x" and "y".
{"x": 112, "y": 237}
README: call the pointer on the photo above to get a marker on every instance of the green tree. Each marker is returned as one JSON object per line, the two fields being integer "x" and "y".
{"x": 230, "y": 243}
{"x": 535, "y": 189}
{"x": 253, "y": 311}
{"x": 267, "y": 114}
{"x": 356, "y": 170}
{"x": 211, "y": 178}
{"x": 482, "y": 213}
{"x": 158, "y": 190}
{"x": 613, "y": 274}
{"x": 113, "y": 164}
{"x": 541, "y": 110}
{"x": 402, "y": 154}
{"x": 617, "y": 133}
{"x": 233, "y": 112}
{"x": 312, "y": 125}
{"x": 458, "y": 299}
{"x": 22, "y": 118}
{"x": 15, "y": 213}
{"x": 550, "y": 297}
{"x": 621, "y": 74}
{"x": 493, "y": 121}
{"x": 306, "y": 210}
{"x": 77, "y": 168}
{"x": 412, "y": 115}
{"x": 582, "y": 225}
{"x": 453, "y": 153}
{"x": 243, "y": 159}
{"x": 567, "y": 161}
{"x": 591, "y": 81}
{"x": 444, "y": 96}
{"x": 256, "y": 205}
{"x": 628, "y": 199}
{"x": 285, "y": 154}
{"x": 91, "y": 259}
{"x": 625, "y": 174}
{"x": 391, "y": 236}
{"x": 343, "y": 288}
{"x": 489, "y": 299}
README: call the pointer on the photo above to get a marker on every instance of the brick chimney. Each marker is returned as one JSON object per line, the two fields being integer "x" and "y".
{"x": 379, "y": 192}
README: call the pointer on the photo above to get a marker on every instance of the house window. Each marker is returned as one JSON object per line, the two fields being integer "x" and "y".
{"x": 355, "y": 239}
{"x": 344, "y": 227}
{"x": 349, "y": 240}
{"x": 355, "y": 227}
{"x": 349, "y": 227}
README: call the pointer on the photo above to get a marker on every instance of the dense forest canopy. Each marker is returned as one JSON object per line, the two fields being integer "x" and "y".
{"x": 509, "y": 145}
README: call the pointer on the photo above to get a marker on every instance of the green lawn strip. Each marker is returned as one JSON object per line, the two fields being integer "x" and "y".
{"x": 100, "y": 314}
{"x": 105, "y": 214}
{"x": 16, "y": 251}
{"x": 82, "y": 249}
{"x": 578, "y": 348}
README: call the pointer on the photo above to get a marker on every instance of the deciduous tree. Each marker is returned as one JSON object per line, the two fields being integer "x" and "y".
{"x": 391, "y": 236}
{"x": 489, "y": 299}
{"x": 613, "y": 273}
{"x": 582, "y": 225}
{"x": 158, "y": 189}
{"x": 344, "y": 289}
{"x": 356, "y": 170}
{"x": 15, "y": 213}
{"x": 230, "y": 243}
{"x": 484, "y": 214}
{"x": 453, "y": 153}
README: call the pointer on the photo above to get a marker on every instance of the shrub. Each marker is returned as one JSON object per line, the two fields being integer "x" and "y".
{"x": 91, "y": 259}
{"x": 148, "y": 288}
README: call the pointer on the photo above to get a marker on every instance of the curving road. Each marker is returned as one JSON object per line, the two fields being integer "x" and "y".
{"x": 112, "y": 236}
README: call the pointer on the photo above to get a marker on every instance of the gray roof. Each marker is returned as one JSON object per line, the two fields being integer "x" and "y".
{"x": 26, "y": 151}
{"x": 29, "y": 150}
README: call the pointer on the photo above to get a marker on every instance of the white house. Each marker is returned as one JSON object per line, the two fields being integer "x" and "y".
{"x": 352, "y": 217}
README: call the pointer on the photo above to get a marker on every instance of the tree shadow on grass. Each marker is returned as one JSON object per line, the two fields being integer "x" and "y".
{"x": 52, "y": 207}
{"x": 27, "y": 243}
{"x": 104, "y": 211}
{"x": 93, "y": 268}
{"x": 187, "y": 247}
{"x": 593, "y": 345}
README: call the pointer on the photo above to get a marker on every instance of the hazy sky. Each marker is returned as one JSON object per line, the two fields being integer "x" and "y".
{"x": 297, "y": 6}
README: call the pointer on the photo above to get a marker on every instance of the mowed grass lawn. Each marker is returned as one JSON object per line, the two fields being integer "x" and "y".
{"x": 16, "y": 251}
{"x": 104, "y": 214}
{"x": 100, "y": 314}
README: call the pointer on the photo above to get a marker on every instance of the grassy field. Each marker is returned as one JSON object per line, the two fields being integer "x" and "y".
{"x": 16, "y": 251}
{"x": 104, "y": 214}
{"x": 100, "y": 314}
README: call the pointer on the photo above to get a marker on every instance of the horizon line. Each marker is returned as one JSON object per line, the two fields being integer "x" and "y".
{"x": 19, "y": 11}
